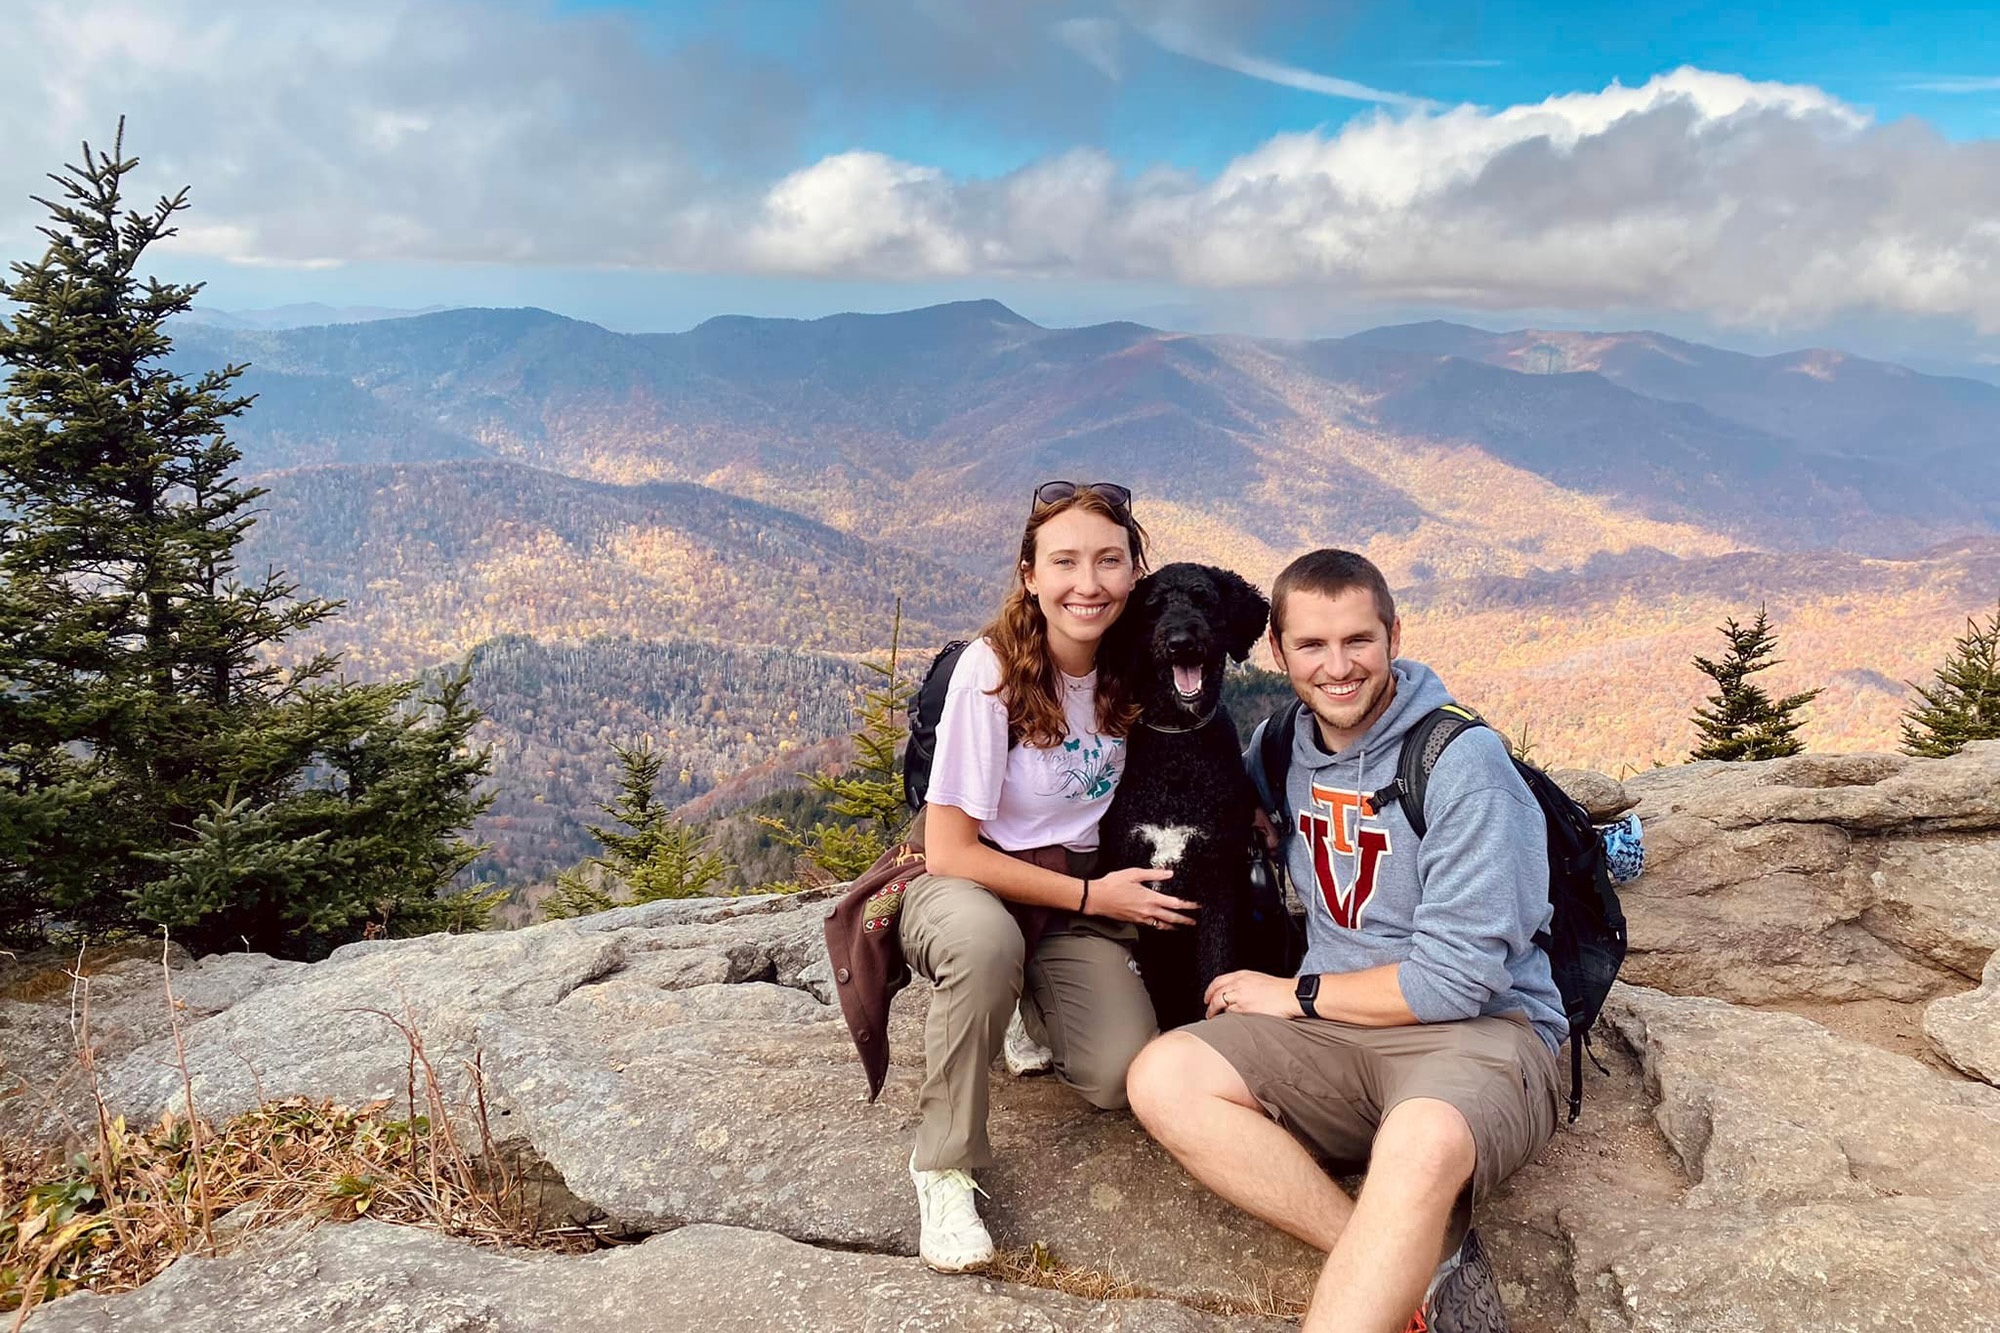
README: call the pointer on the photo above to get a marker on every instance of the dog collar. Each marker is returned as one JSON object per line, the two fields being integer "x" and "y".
{"x": 1182, "y": 731}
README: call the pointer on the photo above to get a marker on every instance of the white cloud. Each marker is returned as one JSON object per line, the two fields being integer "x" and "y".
{"x": 1706, "y": 193}
{"x": 429, "y": 131}
{"x": 860, "y": 212}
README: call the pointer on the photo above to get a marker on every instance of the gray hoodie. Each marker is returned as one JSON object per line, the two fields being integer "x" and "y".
{"x": 1457, "y": 910}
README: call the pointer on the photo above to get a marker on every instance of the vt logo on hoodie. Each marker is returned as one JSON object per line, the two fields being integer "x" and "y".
{"x": 1335, "y": 832}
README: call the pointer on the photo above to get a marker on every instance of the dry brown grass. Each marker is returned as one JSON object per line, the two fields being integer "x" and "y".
{"x": 1038, "y": 1266}
{"x": 110, "y": 1216}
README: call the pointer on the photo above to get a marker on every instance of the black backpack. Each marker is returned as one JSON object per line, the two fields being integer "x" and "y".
{"x": 1585, "y": 940}
{"x": 926, "y": 707}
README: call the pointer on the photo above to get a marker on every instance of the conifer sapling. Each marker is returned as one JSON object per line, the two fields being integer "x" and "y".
{"x": 1742, "y": 721}
{"x": 1962, "y": 704}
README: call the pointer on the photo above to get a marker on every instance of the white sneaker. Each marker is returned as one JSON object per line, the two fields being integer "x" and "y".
{"x": 953, "y": 1239}
{"x": 1023, "y": 1054}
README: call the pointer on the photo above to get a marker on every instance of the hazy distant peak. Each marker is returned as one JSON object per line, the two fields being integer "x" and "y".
{"x": 969, "y": 315}
{"x": 1431, "y": 337}
{"x": 303, "y": 315}
{"x": 514, "y": 316}
{"x": 984, "y": 310}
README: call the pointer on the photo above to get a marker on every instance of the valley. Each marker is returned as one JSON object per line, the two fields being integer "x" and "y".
{"x": 614, "y": 525}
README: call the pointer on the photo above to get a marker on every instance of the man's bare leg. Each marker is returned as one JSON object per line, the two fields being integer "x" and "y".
{"x": 1378, "y": 1272}
{"x": 1196, "y": 1105}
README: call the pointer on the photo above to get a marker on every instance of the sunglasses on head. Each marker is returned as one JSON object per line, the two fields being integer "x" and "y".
{"x": 1055, "y": 492}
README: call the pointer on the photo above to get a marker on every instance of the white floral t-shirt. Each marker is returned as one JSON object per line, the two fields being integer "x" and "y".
{"x": 1024, "y": 797}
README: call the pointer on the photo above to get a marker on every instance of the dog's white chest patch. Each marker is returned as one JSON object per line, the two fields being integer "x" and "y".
{"x": 1168, "y": 841}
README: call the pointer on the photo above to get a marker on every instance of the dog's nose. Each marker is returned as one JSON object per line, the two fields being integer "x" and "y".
{"x": 1181, "y": 640}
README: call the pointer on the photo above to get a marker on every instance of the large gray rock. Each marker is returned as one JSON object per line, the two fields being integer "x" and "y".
{"x": 331, "y": 1029}
{"x": 44, "y": 1089}
{"x": 672, "y": 1064}
{"x": 681, "y": 1063}
{"x": 1821, "y": 877}
{"x": 368, "y": 1277}
{"x": 1965, "y": 1029}
{"x": 1837, "y": 1186}
{"x": 743, "y": 1104}
{"x": 1602, "y": 796}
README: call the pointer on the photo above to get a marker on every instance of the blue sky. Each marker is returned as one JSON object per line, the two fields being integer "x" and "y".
{"x": 1911, "y": 60}
{"x": 1761, "y": 175}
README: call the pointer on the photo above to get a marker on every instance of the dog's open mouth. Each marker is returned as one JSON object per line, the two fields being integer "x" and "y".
{"x": 1187, "y": 682}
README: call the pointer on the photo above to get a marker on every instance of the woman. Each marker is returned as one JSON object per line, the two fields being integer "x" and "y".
{"x": 1029, "y": 750}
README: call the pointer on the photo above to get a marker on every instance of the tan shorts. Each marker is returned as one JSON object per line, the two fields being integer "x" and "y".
{"x": 1331, "y": 1083}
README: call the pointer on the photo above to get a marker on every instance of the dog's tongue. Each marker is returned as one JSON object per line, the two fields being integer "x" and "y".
{"x": 1187, "y": 680}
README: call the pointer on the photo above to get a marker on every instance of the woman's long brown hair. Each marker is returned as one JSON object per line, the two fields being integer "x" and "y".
{"x": 1020, "y": 639}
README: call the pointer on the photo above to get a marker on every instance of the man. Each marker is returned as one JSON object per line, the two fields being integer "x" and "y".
{"x": 1420, "y": 1038}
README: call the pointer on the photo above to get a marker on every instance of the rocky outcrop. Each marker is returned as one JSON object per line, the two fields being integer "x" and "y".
{"x": 678, "y": 1063}
{"x": 368, "y": 1277}
{"x": 1835, "y": 1186}
{"x": 1822, "y": 877}
{"x": 1603, "y": 798}
{"x": 125, "y": 1008}
{"x": 680, "y": 1067}
{"x": 1965, "y": 1029}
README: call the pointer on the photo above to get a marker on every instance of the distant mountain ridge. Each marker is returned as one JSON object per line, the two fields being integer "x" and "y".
{"x": 1828, "y": 401}
{"x": 433, "y": 559}
{"x": 1567, "y": 517}
{"x": 842, "y": 418}
{"x": 298, "y": 316}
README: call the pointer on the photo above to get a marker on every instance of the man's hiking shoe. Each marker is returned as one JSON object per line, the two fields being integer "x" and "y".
{"x": 1023, "y": 1054}
{"x": 1466, "y": 1299}
{"x": 953, "y": 1239}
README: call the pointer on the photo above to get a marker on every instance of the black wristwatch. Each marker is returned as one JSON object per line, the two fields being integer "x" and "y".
{"x": 1308, "y": 991}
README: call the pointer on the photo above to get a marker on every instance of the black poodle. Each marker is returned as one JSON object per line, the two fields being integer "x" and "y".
{"x": 1184, "y": 802}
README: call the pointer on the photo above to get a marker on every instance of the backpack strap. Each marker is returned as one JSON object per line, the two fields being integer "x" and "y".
{"x": 1423, "y": 746}
{"x": 1268, "y": 757}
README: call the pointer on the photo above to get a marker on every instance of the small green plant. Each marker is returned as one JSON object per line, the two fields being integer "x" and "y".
{"x": 1522, "y": 746}
{"x": 1742, "y": 721}
{"x": 655, "y": 857}
{"x": 575, "y": 895}
{"x": 1962, "y": 704}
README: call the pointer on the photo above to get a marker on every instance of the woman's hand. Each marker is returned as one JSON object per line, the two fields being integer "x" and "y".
{"x": 1128, "y": 895}
{"x": 1253, "y": 993}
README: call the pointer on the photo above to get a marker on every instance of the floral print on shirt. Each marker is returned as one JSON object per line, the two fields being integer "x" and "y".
{"x": 1084, "y": 768}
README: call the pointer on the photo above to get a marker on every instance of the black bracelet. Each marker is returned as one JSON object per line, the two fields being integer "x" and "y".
{"x": 1083, "y": 908}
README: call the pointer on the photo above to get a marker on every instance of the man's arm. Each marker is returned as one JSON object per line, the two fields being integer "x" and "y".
{"x": 1485, "y": 871}
{"x": 1371, "y": 997}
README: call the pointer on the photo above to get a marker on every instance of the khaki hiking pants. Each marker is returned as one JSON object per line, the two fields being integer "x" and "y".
{"x": 1080, "y": 996}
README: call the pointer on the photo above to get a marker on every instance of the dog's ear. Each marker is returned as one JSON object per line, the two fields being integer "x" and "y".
{"x": 1247, "y": 613}
{"x": 1124, "y": 643}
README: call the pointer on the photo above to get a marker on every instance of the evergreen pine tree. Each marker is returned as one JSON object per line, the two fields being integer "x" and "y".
{"x": 160, "y": 768}
{"x": 576, "y": 895}
{"x": 867, "y": 795}
{"x": 1741, "y": 720}
{"x": 1963, "y": 704}
{"x": 660, "y": 857}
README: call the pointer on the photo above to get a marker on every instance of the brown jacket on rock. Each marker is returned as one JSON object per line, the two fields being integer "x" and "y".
{"x": 866, "y": 948}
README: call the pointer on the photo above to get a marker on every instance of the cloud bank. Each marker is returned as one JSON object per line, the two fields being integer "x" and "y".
{"x": 394, "y": 130}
